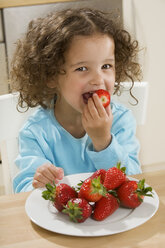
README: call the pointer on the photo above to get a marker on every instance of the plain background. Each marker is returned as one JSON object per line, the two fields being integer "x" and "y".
{"x": 146, "y": 20}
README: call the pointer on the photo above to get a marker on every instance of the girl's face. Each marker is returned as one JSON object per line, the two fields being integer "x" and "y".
{"x": 89, "y": 66}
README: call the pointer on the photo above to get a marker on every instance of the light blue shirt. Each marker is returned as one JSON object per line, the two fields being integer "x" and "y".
{"x": 43, "y": 140}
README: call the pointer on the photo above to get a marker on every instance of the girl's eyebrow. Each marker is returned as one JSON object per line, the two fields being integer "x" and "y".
{"x": 79, "y": 63}
{"x": 110, "y": 59}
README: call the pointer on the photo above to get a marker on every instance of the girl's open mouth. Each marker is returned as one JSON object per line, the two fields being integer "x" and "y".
{"x": 87, "y": 95}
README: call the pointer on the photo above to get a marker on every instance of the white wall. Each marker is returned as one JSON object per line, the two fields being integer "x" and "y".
{"x": 146, "y": 20}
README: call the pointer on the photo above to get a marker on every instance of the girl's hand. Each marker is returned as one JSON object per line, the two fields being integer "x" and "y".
{"x": 97, "y": 122}
{"x": 47, "y": 173}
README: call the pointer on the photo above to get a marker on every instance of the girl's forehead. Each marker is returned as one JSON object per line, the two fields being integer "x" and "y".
{"x": 95, "y": 38}
{"x": 90, "y": 45}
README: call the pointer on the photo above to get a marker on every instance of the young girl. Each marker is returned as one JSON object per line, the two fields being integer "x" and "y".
{"x": 63, "y": 58}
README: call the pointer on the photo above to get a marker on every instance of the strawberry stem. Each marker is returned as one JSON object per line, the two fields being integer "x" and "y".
{"x": 97, "y": 187}
{"x": 142, "y": 190}
{"x": 123, "y": 169}
{"x": 113, "y": 192}
{"x": 49, "y": 194}
{"x": 77, "y": 188}
{"x": 74, "y": 211}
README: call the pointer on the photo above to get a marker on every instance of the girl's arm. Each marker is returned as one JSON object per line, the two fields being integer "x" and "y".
{"x": 35, "y": 169}
{"x": 124, "y": 146}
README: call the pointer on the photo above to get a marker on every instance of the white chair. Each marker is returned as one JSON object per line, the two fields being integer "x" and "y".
{"x": 140, "y": 92}
{"x": 12, "y": 120}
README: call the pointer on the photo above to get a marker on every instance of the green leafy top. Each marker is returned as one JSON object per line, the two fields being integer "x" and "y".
{"x": 123, "y": 169}
{"x": 97, "y": 187}
{"x": 73, "y": 210}
{"x": 142, "y": 190}
{"x": 50, "y": 193}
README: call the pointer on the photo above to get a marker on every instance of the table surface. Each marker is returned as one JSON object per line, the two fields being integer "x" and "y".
{"x": 17, "y": 230}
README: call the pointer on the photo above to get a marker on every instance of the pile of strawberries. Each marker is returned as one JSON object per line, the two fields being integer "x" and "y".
{"x": 98, "y": 196}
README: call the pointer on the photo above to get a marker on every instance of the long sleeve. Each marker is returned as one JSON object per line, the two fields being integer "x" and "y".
{"x": 124, "y": 146}
{"x": 43, "y": 140}
{"x": 30, "y": 157}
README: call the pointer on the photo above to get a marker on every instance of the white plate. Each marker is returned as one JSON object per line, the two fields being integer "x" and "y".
{"x": 44, "y": 214}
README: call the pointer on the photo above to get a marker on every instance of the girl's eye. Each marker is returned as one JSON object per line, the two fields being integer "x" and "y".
{"x": 106, "y": 66}
{"x": 82, "y": 68}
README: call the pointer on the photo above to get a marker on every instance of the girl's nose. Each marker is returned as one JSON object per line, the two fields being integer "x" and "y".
{"x": 97, "y": 79}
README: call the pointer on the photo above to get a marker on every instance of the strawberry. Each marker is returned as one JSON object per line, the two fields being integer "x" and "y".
{"x": 59, "y": 194}
{"x": 92, "y": 190}
{"x": 104, "y": 97}
{"x": 105, "y": 207}
{"x": 131, "y": 193}
{"x": 102, "y": 94}
{"x": 101, "y": 173}
{"x": 78, "y": 210}
{"x": 114, "y": 177}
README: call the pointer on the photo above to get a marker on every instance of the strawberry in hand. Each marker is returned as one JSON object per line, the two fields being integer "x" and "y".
{"x": 97, "y": 120}
{"x": 59, "y": 194}
{"x": 104, "y": 97}
{"x": 92, "y": 190}
{"x": 78, "y": 210}
{"x": 102, "y": 94}
{"x": 131, "y": 193}
{"x": 114, "y": 177}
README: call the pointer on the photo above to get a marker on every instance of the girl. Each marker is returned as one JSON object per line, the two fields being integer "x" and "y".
{"x": 62, "y": 58}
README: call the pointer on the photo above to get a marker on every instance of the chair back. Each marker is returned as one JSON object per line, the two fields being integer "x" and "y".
{"x": 11, "y": 120}
{"x": 140, "y": 92}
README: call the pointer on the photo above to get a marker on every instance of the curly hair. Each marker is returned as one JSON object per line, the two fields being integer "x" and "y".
{"x": 39, "y": 54}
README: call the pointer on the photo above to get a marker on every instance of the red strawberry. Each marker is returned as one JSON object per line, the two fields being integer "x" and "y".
{"x": 101, "y": 173}
{"x": 131, "y": 193}
{"x": 78, "y": 210}
{"x": 92, "y": 190}
{"x": 60, "y": 194}
{"x": 114, "y": 177}
{"x": 104, "y": 97}
{"x": 105, "y": 207}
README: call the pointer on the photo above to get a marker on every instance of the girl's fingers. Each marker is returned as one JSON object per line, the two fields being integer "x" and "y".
{"x": 100, "y": 109}
{"x": 92, "y": 109}
{"x": 37, "y": 184}
{"x": 86, "y": 113}
{"x": 57, "y": 172}
{"x": 108, "y": 110}
{"x": 47, "y": 173}
{"x": 41, "y": 184}
{"x": 40, "y": 179}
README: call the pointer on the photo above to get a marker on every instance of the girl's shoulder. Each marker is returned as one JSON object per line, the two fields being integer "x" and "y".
{"x": 38, "y": 118}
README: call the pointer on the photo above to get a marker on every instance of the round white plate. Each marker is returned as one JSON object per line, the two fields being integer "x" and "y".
{"x": 44, "y": 214}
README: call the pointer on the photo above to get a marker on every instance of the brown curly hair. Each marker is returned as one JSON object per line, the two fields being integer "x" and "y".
{"x": 40, "y": 54}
